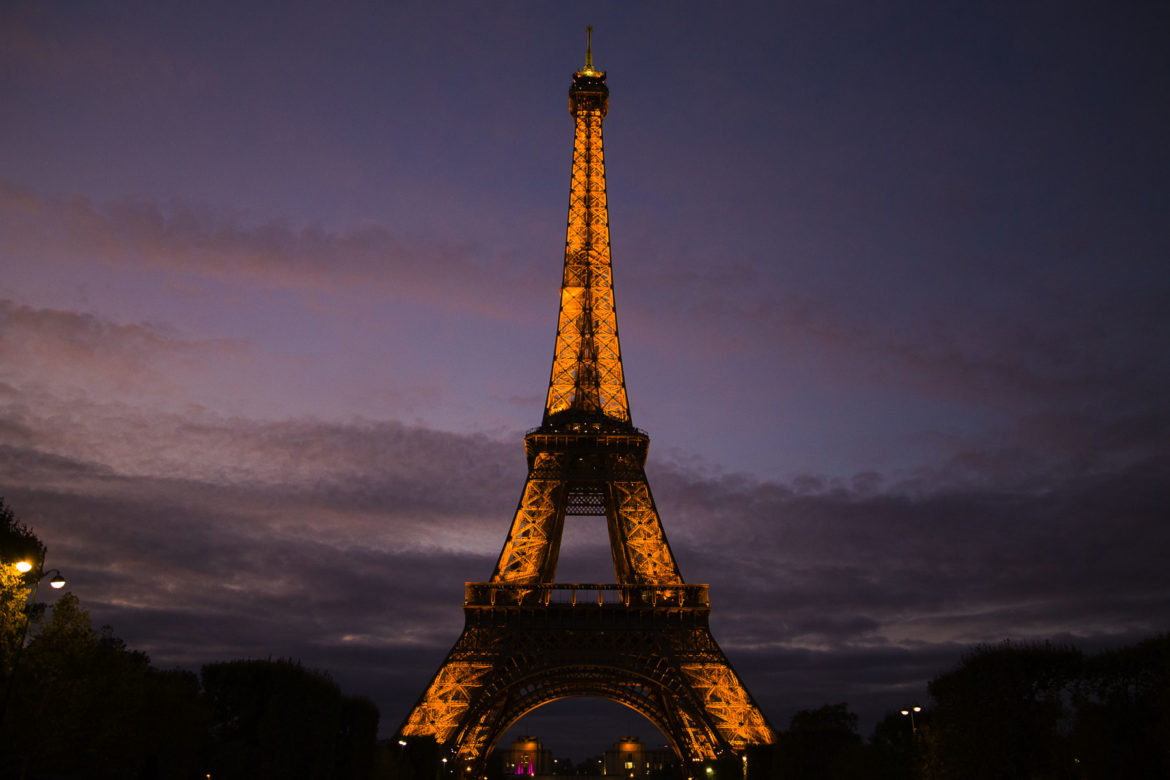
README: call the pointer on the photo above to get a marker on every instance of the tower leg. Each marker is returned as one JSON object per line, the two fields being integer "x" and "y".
{"x": 656, "y": 656}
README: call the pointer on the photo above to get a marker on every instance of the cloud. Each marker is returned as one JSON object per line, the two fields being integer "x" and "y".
{"x": 1049, "y": 348}
{"x": 76, "y": 352}
{"x": 346, "y": 545}
{"x": 143, "y": 235}
{"x": 954, "y": 564}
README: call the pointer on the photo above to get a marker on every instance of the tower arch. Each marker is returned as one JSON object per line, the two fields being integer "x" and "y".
{"x": 663, "y": 699}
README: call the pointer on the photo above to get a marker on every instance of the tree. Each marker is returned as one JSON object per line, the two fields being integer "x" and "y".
{"x": 894, "y": 747}
{"x": 89, "y": 707}
{"x": 17, "y": 543}
{"x": 358, "y": 738}
{"x": 823, "y": 744}
{"x": 1002, "y": 713}
{"x": 279, "y": 719}
{"x": 1122, "y": 705}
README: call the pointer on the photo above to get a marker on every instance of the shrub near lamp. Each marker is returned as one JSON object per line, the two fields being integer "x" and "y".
{"x": 56, "y": 583}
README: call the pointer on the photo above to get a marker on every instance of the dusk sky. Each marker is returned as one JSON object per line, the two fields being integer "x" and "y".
{"x": 278, "y": 295}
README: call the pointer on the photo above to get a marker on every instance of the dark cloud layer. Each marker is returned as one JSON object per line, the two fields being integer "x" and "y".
{"x": 821, "y": 592}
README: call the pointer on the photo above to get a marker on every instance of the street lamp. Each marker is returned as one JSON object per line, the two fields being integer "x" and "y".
{"x": 56, "y": 583}
{"x": 913, "y": 726}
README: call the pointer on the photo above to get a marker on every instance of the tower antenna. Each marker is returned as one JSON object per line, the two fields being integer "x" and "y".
{"x": 589, "y": 49}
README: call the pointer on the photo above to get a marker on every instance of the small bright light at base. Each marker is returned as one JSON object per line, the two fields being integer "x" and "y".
{"x": 23, "y": 567}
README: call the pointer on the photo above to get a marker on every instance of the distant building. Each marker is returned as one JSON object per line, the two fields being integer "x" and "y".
{"x": 527, "y": 757}
{"x": 630, "y": 758}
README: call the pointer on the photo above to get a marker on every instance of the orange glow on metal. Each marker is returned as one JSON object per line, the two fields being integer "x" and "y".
{"x": 531, "y": 549}
{"x": 738, "y": 719}
{"x": 643, "y": 641}
{"x": 440, "y": 712}
{"x": 587, "y": 364}
{"x": 645, "y": 554}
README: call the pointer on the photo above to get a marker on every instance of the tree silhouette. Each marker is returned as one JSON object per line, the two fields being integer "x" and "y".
{"x": 87, "y": 706}
{"x": 822, "y": 744}
{"x": 1122, "y": 702}
{"x": 279, "y": 719}
{"x": 1003, "y": 712}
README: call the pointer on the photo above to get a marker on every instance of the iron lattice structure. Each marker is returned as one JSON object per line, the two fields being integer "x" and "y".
{"x": 643, "y": 641}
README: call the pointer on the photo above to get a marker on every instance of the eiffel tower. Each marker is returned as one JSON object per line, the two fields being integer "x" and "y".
{"x": 642, "y": 641}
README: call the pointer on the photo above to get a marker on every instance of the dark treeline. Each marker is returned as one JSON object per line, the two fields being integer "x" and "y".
{"x": 79, "y": 705}
{"x": 1006, "y": 712}
{"x": 83, "y": 706}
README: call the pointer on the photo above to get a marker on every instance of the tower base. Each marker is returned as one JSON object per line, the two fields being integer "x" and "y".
{"x": 647, "y": 647}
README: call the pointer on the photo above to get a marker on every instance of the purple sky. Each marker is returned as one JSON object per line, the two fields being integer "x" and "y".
{"x": 278, "y": 293}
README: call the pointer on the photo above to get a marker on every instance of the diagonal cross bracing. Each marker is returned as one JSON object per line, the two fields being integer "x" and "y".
{"x": 587, "y": 373}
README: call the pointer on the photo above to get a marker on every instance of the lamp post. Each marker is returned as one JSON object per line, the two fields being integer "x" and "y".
{"x": 58, "y": 582}
{"x": 913, "y": 726}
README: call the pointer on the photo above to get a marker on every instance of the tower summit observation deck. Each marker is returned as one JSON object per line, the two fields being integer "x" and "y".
{"x": 643, "y": 640}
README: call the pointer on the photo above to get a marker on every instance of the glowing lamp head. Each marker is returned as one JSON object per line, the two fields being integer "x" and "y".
{"x": 57, "y": 582}
{"x": 24, "y": 567}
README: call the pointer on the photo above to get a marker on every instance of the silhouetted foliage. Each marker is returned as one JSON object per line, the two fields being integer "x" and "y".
{"x": 17, "y": 543}
{"x": 1122, "y": 706}
{"x": 357, "y": 740}
{"x": 279, "y": 719}
{"x": 762, "y": 762}
{"x": 821, "y": 743}
{"x": 1003, "y": 713}
{"x": 895, "y": 746}
{"x": 86, "y": 706}
{"x": 419, "y": 757}
{"x": 83, "y": 705}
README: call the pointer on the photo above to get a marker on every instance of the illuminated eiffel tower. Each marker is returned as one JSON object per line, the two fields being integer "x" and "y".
{"x": 642, "y": 641}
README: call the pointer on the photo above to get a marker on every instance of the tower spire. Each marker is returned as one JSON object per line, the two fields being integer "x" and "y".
{"x": 588, "y": 50}
{"x": 587, "y": 384}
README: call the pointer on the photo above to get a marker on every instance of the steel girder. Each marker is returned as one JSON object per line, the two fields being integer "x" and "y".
{"x": 662, "y": 662}
{"x": 578, "y": 472}
{"x": 587, "y": 377}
